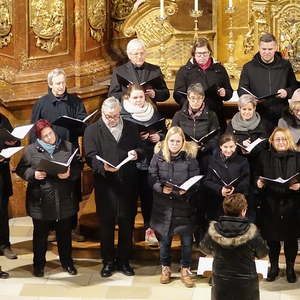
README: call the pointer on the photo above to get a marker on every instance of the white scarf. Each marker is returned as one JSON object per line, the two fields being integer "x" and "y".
{"x": 142, "y": 114}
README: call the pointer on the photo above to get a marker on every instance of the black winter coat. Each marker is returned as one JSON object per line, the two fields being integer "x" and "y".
{"x": 50, "y": 108}
{"x": 279, "y": 205}
{"x": 199, "y": 127}
{"x": 234, "y": 167}
{"x": 212, "y": 79}
{"x": 115, "y": 193}
{"x": 52, "y": 198}
{"x": 264, "y": 79}
{"x": 150, "y": 75}
{"x": 173, "y": 213}
{"x": 234, "y": 244}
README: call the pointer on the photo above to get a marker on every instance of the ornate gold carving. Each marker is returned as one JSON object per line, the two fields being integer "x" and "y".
{"x": 121, "y": 8}
{"x": 258, "y": 24}
{"x": 47, "y": 22}
{"x": 5, "y": 22}
{"x": 286, "y": 26}
{"x": 7, "y": 74}
{"x": 97, "y": 18}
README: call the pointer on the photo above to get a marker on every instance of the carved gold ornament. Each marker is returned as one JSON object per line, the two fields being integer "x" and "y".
{"x": 97, "y": 18}
{"x": 121, "y": 8}
{"x": 47, "y": 22}
{"x": 5, "y": 22}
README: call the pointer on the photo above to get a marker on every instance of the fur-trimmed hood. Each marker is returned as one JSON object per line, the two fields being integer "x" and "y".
{"x": 232, "y": 232}
{"x": 191, "y": 148}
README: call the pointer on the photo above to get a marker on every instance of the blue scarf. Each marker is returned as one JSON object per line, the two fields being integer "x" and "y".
{"x": 48, "y": 147}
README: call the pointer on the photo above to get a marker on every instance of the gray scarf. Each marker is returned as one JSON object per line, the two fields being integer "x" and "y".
{"x": 241, "y": 125}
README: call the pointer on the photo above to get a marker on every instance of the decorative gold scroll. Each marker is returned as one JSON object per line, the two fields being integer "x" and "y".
{"x": 5, "y": 22}
{"x": 97, "y": 18}
{"x": 47, "y": 22}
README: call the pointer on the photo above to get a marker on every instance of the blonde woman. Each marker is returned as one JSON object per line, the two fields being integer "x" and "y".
{"x": 174, "y": 161}
{"x": 280, "y": 202}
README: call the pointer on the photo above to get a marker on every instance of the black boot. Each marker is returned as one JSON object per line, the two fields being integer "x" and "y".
{"x": 273, "y": 272}
{"x": 290, "y": 273}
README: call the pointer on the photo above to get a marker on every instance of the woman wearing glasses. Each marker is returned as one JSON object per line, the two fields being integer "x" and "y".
{"x": 212, "y": 75}
{"x": 291, "y": 117}
{"x": 280, "y": 201}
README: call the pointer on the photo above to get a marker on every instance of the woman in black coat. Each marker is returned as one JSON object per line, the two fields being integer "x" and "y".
{"x": 212, "y": 75}
{"x": 228, "y": 173}
{"x": 234, "y": 243}
{"x": 196, "y": 121}
{"x": 139, "y": 109}
{"x": 174, "y": 161}
{"x": 247, "y": 126}
{"x": 280, "y": 202}
{"x": 50, "y": 199}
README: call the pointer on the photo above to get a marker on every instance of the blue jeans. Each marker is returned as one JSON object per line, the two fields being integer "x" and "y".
{"x": 186, "y": 250}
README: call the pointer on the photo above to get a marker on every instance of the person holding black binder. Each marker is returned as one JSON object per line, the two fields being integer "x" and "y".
{"x": 140, "y": 72}
{"x": 270, "y": 76}
{"x": 50, "y": 199}
{"x": 280, "y": 201}
{"x": 139, "y": 109}
{"x": 55, "y": 104}
{"x": 228, "y": 173}
{"x": 173, "y": 163}
{"x": 5, "y": 192}
{"x": 201, "y": 68}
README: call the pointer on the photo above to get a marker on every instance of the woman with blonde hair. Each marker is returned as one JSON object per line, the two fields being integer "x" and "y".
{"x": 174, "y": 162}
{"x": 280, "y": 202}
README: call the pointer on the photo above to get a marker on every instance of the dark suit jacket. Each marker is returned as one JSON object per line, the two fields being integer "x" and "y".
{"x": 115, "y": 193}
{"x": 150, "y": 74}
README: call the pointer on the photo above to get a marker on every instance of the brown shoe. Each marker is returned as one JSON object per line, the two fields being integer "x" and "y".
{"x": 186, "y": 277}
{"x": 8, "y": 253}
{"x": 165, "y": 276}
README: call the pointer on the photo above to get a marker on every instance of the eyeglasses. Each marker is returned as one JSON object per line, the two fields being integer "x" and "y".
{"x": 278, "y": 140}
{"x": 136, "y": 54}
{"x": 195, "y": 99}
{"x": 111, "y": 117}
{"x": 48, "y": 135}
{"x": 206, "y": 53}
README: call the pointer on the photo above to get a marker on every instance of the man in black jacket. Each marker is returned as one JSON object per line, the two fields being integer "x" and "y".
{"x": 114, "y": 139}
{"x": 265, "y": 75}
{"x": 141, "y": 72}
{"x": 57, "y": 103}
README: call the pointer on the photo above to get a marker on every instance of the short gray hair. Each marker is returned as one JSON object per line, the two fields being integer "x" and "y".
{"x": 246, "y": 99}
{"x": 55, "y": 73}
{"x": 135, "y": 44}
{"x": 196, "y": 88}
{"x": 110, "y": 104}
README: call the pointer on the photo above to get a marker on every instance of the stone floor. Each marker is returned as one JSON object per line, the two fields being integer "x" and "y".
{"x": 88, "y": 285}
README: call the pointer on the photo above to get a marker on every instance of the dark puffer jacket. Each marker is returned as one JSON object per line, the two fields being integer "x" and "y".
{"x": 51, "y": 198}
{"x": 234, "y": 243}
{"x": 172, "y": 213}
{"x": 233, "y": 167}
{"x": 199, "y": 126}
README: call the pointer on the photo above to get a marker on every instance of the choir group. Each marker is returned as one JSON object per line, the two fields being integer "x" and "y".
{"x": 230, "y": 188}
